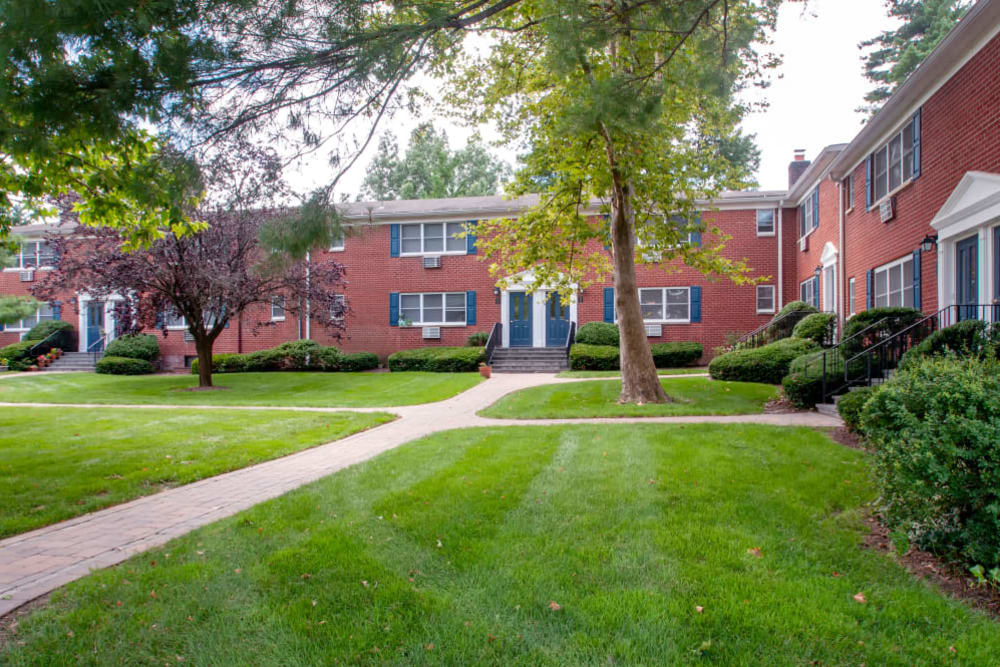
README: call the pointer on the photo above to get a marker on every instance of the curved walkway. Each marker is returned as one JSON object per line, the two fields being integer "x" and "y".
{"x": 35, "y": 563}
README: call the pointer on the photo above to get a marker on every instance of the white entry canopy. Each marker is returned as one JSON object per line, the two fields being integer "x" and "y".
{"x": 975, "y": 201}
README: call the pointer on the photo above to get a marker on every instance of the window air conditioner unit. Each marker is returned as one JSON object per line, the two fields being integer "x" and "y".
{"x": 432, "y": 262}
{"x": 887, "y": 209}
{"x": 27, "y": 276}
{"x": 654, "y": 330}
{"x": 804, "y": 243}
{"x": 188, "y": 338}
{"x": 432, "y": 333}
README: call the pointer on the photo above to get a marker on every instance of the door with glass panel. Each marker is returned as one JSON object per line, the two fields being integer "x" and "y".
{"x": 556, "y": 321}
{"x": 520, "y": 319}
{"x": 95, "y": 326}
{"x": 996, "y": 274}
{"x": 967, "y": 278}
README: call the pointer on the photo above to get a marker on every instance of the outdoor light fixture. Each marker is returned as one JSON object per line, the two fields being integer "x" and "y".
{"x": 496, "y": 294}
{"x": 927, "y": 245}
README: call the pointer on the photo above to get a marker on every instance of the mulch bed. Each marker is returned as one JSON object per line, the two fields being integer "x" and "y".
{"x": 780, "y": 406}
{"x": 845, "y": 437}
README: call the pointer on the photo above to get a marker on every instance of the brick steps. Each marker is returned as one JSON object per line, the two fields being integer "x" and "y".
{"x": 530, "y": 360}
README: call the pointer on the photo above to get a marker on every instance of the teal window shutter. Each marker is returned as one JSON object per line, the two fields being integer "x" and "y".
{"x": 916, "y": 143}
{"x": 868, "y": 181}
{"x": 870, "y": 289}
{"x": 393, "y": 309}
{"x": 695, "y": 303}
{"x": 816, "y": 208}
{"x": 470, "y": 307}
{"x": 917, "y": 297}
{"x": 609, "y": 304}
{"x": 394, "y": 240}
{"x": 470, "y": 246}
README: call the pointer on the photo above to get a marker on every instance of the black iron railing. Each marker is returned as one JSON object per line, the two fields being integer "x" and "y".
{"x": 493, "y": 341}
{"x": 570, "y": 337}
{"x": 96, "y": 349}
{"x": 779, "y": 327}
{"x": 31, "y": 350}
{"x": 829, "y": 362}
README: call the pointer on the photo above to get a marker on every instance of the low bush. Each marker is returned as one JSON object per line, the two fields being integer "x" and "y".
{"x": 934, "y": 430}
{"x": 359, "y": 361}
{"x": 477, "y": 339}
{"x": 586, "y": 357}
{"x": 892, "y": 320}
{"x": 64, "y": 335}
{"x": 675, "y": 355}
{"x": 795, "y": 305}
{"x": 438, "y": 359}
{"x": 769, "y": 363}
{"x": 804, "y": 383}
{"x": 598, "y": 333}
{"x": 851, "y": 404}
{"x": 299, "y": 355}
{"x": 18, "y": 356}
{"x": 139, "y": 346}
{"x": 124, "y": 366}
{"x": 817, "y": 327}
{"x": 971, "y": 337}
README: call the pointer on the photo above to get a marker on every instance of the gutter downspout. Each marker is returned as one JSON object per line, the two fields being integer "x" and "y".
{"x": 781, "y": 267}
{"x": 841, "y": 278}
{"x": 308, "y": 311}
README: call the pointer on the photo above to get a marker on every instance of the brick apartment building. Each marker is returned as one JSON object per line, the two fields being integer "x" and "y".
{"x": 907, "y": 213}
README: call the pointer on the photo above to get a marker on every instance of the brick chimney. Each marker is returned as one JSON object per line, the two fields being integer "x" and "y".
{"x": 797, "y": 167}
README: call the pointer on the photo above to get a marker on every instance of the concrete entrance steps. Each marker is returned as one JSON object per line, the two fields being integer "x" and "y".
{"x": 72, "y": 361}
{"x": 530, "y": 360}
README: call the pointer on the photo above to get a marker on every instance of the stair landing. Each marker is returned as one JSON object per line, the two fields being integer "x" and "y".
{"x": 530, "y": 360}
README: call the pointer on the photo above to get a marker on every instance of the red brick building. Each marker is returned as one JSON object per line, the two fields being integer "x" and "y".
{"x": 845, "y": 236}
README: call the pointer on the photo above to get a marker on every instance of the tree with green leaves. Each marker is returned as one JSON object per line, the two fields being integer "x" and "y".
{"x": 430, "y": 169}
{"x": 897, "y": 53}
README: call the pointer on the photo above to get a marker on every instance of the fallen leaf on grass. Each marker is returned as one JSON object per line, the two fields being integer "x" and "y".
{"x": 554, "y": 606}
{"x": 699, "y": 609}
{"x": 755, "y": 551}
{"x": 860, "y": 597}
{"x": 430, "y": 647}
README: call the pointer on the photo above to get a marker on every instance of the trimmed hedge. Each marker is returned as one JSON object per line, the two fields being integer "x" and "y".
{"x": 934, "y": 431}
{"x": 358, "y": 361}
{"x": 124, "y": 366}
{"x": 598, "y": 333}
{"x": 477, "y": 339}
{"x": 583, "y": 357}
{"x": 438, "y": 359}
{"x": 138, "y": 346}
{"x": 768, "y": 364}
{"x": 971, "y": 337}
{"x": 795, "y": 305}
{"x": 17, "y": 355}
{"x": 851, "y": 404}
{"x": 896, "y": 319}
{"x": 817, "y": 327}
{"x": 298, "y": 355}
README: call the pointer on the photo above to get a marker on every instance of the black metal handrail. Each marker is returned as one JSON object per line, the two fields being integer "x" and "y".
{"x": 831, "y": 357}
{"x": 764, "y": 333}
{"x": 492, "y": 342}
{"x": 31, "y": 350}
{"x": 570, "y": 337}
{"x": 97, "y": 352}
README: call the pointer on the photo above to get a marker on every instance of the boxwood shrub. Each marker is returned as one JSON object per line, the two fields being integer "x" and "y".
{"x": 851, "y": 404}
{"x": 934, "y": 430}
{"x": 598, "y": 333}
{"x": 768, "y": 363}
{"x": 358, "y": 361}
{"x": 817, "y": 327}
{"x": 299, "y": 355}
{"x": 139, "y": 346}
{"x": 124, "y": 366}
{"x": 64, "y": 338}
{"x": 18, "y": 356}
{"x": 675, "y": 355}
{"x": 971, "y": 337}
{"x": 895, "y": 319}
{"x": 586, "y": 357}
{"x": 438, "y": 359}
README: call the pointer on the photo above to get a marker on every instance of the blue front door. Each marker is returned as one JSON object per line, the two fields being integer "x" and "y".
{"x": 967, "y": 277}
{"x": 556, "y": 321}
{"x": 95, "y": 326}
{"x": 520, "y": 319}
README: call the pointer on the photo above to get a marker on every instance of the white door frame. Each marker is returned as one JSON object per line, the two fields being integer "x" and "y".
{"x": 83, "y": 300}
{"x": 828, "y": 278}
{"x": 525, "y": 282}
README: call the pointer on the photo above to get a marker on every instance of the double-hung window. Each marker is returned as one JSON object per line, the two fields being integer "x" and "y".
{"x": 337, "y": 242}
{"x": 338, "y": 308}
{"x": 765, "y": 298}
{"x": 432, "y": 238}
{"x": 174, "y": 320}
{"x": 894, "y": 284}
{"x": 895, "y": 163}
{"x": 433, "y": 308}
{"x": 42, "y": 313}
{"x": 665, "y": 304}
{"x": 765, "y": 222}
{"x": 35, "y": 254}
{"x": 850, "y": 297}
{"x": 809, "y": 291}
{"x": 809, "y": 213}
{"x": 278, "y": 308}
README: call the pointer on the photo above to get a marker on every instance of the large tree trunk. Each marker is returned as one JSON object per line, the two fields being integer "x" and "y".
{"x": 640, "y": 383}
{"x": 203, "y": 345}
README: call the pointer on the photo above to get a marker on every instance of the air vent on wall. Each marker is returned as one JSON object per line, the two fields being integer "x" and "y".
{"x": 27, "y": 276}
{"x": 887, "y": 209}
{"x": 433, "y": 262}
{"x": 654, "y": 330}
{"x": 432, "y": 333}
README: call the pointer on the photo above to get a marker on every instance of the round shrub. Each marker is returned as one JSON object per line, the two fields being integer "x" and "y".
{"x": 585, "y": 357}
{"x": 19, "y": 355}
{"x": 817, "y": 327}
{"x": 438, "y": 359}
{"x": 124, "y": 366}
{"x": 598, "y": 333}
{"x": 971, "y": 337}
{"x": 851, "y": 404}
{"x": 675, "y": 355}
{"x": 477, "y": 339}
{"x": 359, "y": 361}
{"x": 934, "y": 430}
{"x": 892, "y": 321}
{"x": 139, "y": 346}
{"x": 804, "y": 383}
{"x": 769, "y": 363}
{"x": 796, "y": 305}
{"x": 64, "y": 338}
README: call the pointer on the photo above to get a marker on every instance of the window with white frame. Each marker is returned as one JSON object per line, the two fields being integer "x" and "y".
{"x": 893, "y": 163}
{"x": 830, "y": 289}
{"x": 42, "y": 313}
{"x": 34, "y": 254}
{"x": 432, "y": 238}
{"x": 850, "y": 296}
{"x": 894, "y": 284}
{"x": 337, "y": 242}
{"x": 665, "y": 304}
{"x": 278, "y": 308}
{"x": 339, "y": 302}
{"x": 765, "y": 222}
{"x": 807, "y": 213}
{"x": 433, "y": 309}
{"x": 174, "y": 320}
{"x": 765, "y": 298}
{"x": 808, "y": 291}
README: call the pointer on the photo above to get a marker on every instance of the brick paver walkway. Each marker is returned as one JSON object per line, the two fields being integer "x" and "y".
{"x": 35, "y": 563}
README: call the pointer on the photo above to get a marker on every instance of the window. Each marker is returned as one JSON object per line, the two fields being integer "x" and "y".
{"x": 173, "y": 320}
{"x": 432, "y": 238}
{"x": 808, "y": 214}
{"x": 278, "y": 309}
{"x": 339, "y": 305}
{"x": 446, "y": 308}
{"x": 44, "y": 312}
{"x": 665, "y": 304}
{"x": 765, "y": 222}
{"x": 35, "y": 254}
{"x": 765, "y": 298}
{"x": 850, "y": 297}
{"x": 894, "y": 284}
{"x": 830, "y": 289}
{"x": 337, "y": 242}
{"x": 808, "y": 291}
{"x": 849, "y": 192}
{"x": 894, "y": 163}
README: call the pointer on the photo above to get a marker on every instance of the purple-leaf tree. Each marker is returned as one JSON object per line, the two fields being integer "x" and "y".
{"x": 208, "y": 278}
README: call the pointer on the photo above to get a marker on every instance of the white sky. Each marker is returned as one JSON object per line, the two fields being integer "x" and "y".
{"x": 812, "y": 98}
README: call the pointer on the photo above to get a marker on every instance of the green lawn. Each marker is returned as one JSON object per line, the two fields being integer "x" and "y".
{"x": 692, "y": 396}
{"x": 687, "y": 370}
{"x": 59, "y": 463}
{"x": 453, "y": 549}
{"x": 348, "y": 390}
